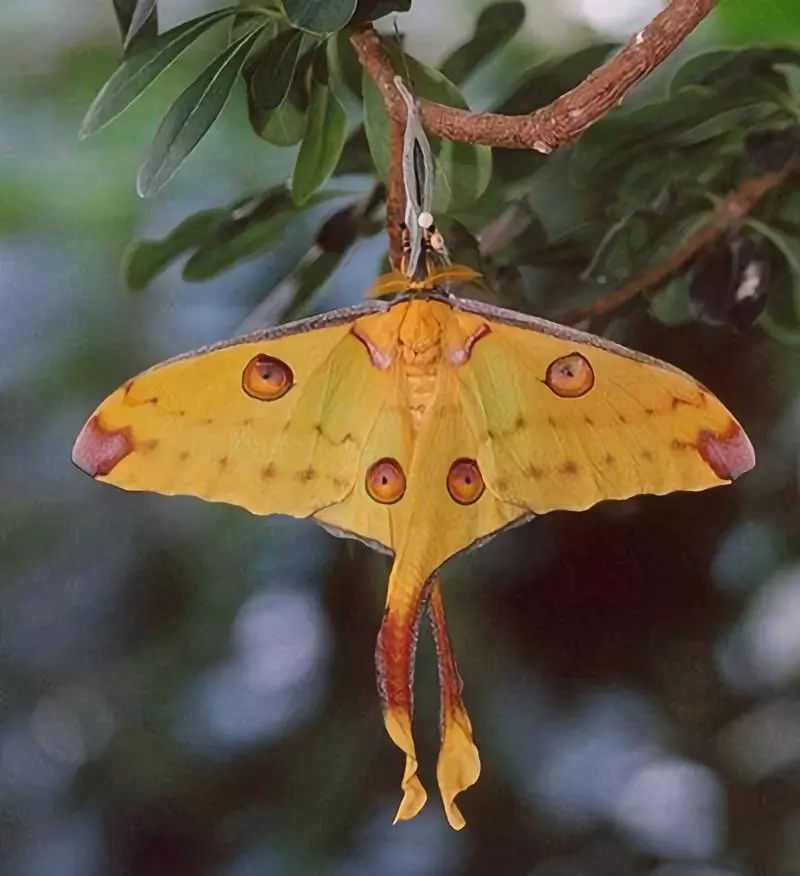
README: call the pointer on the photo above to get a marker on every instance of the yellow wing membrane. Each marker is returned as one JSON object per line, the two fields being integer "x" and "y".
{"x": 204, "y": 425}
{"x": 565, "y": 420}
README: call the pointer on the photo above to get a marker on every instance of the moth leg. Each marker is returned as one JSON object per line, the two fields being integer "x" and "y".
{"x": 395, "y": 650}
{"x": 459, "y": 765}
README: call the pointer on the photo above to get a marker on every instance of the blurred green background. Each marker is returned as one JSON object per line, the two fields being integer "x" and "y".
{"x": 189, "y": 690}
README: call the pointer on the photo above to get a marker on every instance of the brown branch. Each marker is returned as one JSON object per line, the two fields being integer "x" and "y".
{"x": 395, "y": 193}
{"x": 735, "y": 205}
{"x": 564, "y": 119}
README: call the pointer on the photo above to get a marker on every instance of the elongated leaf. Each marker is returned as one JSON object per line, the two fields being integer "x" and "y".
{"x": 376, "y": 126}
{"x": 672, "y": 305}
{"x": 789, "y": 247}
{"x": 734, "y": 121}
{"x": 345, "y": 71}
{"x": 124, "y": 10}
{"x": 249, "y": 228}
{"x": 218, "y": 255}
{"x": 725, "y": 68}
{"x": 319, "y": 16}
{"x": 785, "y": 243}
{"x": 464, "y": 172}
{"x": 271, "y": 71}
{"x": 780, "y": 318}
{"x": 145, "y": 259}
{"x": 137, "y": 72}
{"x": 326, "y": 128}
{"x": 356, "y": 156}
{"x": 283, "y": 126}
{"x": 494, "y": 28}
{"x": 256, "y": 228}
{"x": 143, "y": 12}
{"x": 244, "y": 23}
{"x": 623, "y": 136}
{"x": 191, "y": 116}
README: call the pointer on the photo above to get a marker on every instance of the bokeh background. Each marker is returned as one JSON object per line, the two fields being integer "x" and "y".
{"x": 189, "y": 690}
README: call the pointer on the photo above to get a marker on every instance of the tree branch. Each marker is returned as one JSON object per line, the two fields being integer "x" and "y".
{"x": 395, "y": 193}
{"x": 735, "y": 205}
{"x": 564, "y": 119}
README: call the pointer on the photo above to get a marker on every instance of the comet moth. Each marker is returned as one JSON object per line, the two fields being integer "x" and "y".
{"x": 422, "y": 425}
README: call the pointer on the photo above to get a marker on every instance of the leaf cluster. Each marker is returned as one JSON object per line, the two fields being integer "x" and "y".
{"x": 623, "y": 197}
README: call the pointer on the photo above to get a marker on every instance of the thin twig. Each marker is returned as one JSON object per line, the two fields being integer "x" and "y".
{"x": 734, "y": 206}
{"x": 563, "y": 120}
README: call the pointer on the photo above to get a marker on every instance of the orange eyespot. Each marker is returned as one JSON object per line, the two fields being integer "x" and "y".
{"x": 385, "y": 481}
{"x": 465, "y": 482}
{"x": 570, "y": 376}
{"x": 267, "y": 378}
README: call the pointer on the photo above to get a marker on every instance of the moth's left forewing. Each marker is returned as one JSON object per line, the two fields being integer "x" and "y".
{"x": 566, "y": 420}
{"x": 191, "y": 427}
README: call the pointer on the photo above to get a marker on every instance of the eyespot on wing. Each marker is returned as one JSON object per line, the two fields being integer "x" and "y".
{"x": 465, "y": 481}
{"x": 266, "y": 378}
{"x": 570, "y": 376}
{"x": 386, "y": 481}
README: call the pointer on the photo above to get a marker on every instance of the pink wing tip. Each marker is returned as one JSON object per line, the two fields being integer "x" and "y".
{"x": 98, "y": 450}
{"x": 729, "y": 454}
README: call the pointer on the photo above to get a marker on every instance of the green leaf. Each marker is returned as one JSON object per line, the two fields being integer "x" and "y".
{"x": 356, "y": 157}
{"x": 249, "y": 228}
{"x": 371, "y": 10}
{"x": 319, "y": 16}
{"x": 145, "y": 259}
{"x": 738, "y": 119}
{"x": 496, "y": 25}
{"x": 780, "y": 318}
{"x": 191, "y": 116}
{"x": 125, "y": 10}
{"x": 139, "y": 71}
{"x": 376, "y": 125}
{"x": 272, "y": 224}
{"x": 728, "y": 68}
{"x": 345, "y": 71}
{"x": 751, "y": 21}
{"x": 789, "y": 247}
{"x": 243, "y": 23}
{"x": 786, "y": 244}
{"x": 326, "y": 128}
{"x": 144, "y": 13}
{"x": 789, "y": 209}
{"x": 622, "y": 137}
{"x": 270, "y": 72}
{"x": 283, "y": 126}
{"x": 463, "y": 173}
{"x": 672, "y": 304}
